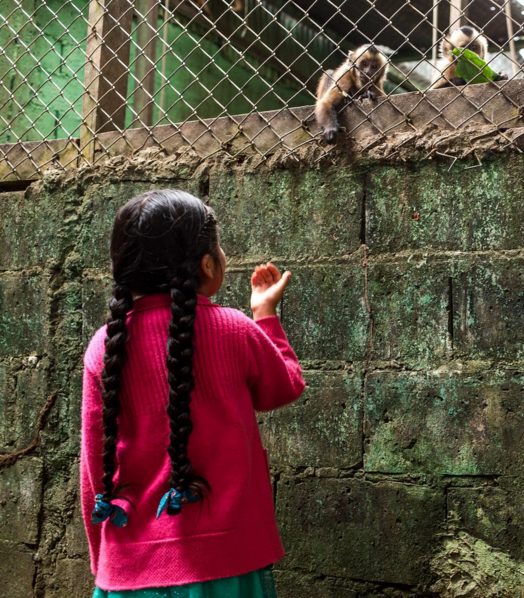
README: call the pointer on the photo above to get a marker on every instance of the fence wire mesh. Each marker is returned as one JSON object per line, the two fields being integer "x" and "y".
{"x": 81, "y": 80}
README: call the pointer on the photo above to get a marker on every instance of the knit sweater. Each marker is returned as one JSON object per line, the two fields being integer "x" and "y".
{"x": 239, "y": 366}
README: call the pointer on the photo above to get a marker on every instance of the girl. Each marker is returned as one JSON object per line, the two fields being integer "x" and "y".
{"x": 175, "y": 486}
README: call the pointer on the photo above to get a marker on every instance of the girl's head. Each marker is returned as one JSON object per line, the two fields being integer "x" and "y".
{"x": 160, "y": 233}
{"x": 162, "y": 241}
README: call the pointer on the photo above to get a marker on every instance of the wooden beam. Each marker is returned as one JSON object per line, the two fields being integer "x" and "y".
{"x": 145, "y": 64}
{"x": 434, "y": 34}
{"x": 106, "y": 70}
{"x": 27, "y": 161}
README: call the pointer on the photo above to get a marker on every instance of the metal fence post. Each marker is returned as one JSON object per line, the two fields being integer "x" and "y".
{"x": 106, "y": 70}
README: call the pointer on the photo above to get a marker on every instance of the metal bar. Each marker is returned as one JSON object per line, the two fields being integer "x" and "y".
{"x": 105, "y": 78}
{"x": 145, "y": 64}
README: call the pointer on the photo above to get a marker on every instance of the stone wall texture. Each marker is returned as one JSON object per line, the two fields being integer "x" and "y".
{"x": 400, "y": 472}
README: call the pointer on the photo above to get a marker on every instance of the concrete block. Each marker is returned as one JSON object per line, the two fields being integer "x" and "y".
{"x": 324, "y": 314}
{"x": 488, "y": 305}
{"x": 381, "y": 532}
{"x": 444, "y": 422}
{"x": 20, "y": 500}
{"x": 492, "y": 514}
{"x": 322, "y": 429}
{"x": 24, "y": 314}
{"x": 17, "y": 570}
{"x": 292, "y": 213}
{"x": 410, "y": 305}
{"x": 426, "y": 207}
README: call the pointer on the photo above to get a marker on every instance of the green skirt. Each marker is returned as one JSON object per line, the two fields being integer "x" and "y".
{"x": 257, "y": 584}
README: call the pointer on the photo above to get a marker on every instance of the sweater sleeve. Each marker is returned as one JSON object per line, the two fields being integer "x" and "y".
{"x": 91, "y": 469}
{"x": 274, "y": 373}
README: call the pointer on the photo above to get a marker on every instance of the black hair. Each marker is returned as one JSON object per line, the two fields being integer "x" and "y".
{"x": 157, "y": 244}
{"x": 468, "y": 31}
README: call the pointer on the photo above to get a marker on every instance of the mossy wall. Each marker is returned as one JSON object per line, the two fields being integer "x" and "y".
{"x": 400, "y": 472}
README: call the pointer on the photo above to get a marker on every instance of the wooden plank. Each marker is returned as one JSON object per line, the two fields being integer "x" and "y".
{"x": 145, "y": 64}
{"x": 269, "y": 131}
{"x": 26, "y": 161}
{"x": 106, "y": 70}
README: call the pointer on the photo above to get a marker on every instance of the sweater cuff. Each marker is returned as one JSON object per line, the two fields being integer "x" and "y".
{"x": 272, "y": 326}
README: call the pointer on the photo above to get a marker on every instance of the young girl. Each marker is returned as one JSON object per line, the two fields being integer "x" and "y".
{"x": 175, "y": 486}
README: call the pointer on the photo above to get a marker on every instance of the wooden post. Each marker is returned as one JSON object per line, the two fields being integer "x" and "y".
{"x": 434, "y": 34}
{"x": 145, "y": 63}
{"x": 106, "y": 70}
{"x": 456, "y": 14}
{"x": 511, "y": 38}
{"x": 163, "y": 66}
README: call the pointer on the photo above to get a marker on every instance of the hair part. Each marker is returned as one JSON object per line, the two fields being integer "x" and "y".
{"x": 158, "y": 241}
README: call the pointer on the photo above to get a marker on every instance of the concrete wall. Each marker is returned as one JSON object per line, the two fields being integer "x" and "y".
{"x": 400, "y": 472}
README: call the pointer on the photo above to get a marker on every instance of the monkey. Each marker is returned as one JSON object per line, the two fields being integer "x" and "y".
{"x": 463, "y": 37}
{"x": 361, "y": 75}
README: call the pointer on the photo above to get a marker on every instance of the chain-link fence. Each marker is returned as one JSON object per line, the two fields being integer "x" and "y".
{"x": 82, "y": 80}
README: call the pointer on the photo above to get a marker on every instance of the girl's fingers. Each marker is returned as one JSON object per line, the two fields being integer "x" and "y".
{"x": 274, "y": 271}
{"x": 259, "y": 278}
{"x": 265, "y": 274}
{"x": 269, "y": 274}
{"x": 282, "y": 283}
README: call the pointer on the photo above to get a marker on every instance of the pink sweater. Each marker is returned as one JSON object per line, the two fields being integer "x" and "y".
{"x": 239, "y": 366}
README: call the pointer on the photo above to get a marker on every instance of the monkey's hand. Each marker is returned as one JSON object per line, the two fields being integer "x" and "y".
{"x": 330, "y": 134}
{"x": 502, "y": 77}
{"x": 368, "y": 94}
{"x": 457, "y": 81}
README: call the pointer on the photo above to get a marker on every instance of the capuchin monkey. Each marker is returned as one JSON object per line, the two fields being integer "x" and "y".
{"x": 360, "y": 76}
{"x": 463, "y": 37}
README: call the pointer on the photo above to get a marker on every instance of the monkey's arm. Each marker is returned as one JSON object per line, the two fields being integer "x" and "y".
{"x": 326, "y": 110}
{"x": 326, "y": 81}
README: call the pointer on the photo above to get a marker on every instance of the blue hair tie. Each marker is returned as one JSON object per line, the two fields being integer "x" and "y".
{"x": 176, "y": 499}
{"x": 104, "y": 510}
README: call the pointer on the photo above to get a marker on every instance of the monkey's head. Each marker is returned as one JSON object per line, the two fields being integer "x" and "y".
{"x": 465, "y": 37}
{"x": 371, "y": 65}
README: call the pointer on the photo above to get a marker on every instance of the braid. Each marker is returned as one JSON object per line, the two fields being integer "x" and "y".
{"x": 157, "y": 245}
{"x": 114, "y": 360}
{"x": 180, "y": 375}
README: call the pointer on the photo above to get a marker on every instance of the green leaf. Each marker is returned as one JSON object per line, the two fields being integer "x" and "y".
{"x": 472, "y": 68}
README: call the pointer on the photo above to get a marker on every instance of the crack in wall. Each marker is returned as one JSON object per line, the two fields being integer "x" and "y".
{"x": 365, "y": 265}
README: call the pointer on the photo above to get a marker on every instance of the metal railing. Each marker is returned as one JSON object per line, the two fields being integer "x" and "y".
{"x": 84, "y": 80}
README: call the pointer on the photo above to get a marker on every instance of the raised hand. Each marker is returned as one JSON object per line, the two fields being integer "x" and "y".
{"x": 267, "y": 289}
